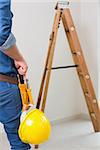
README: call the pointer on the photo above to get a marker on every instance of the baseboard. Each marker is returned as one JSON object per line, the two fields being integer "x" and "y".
{"x": 66, "y": 119}
{"x": 85, "y": 116}
{"x": 70, "y": 118}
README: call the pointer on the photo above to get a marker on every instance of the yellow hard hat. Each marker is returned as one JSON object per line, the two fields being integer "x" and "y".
{"x": 35, "y": 127}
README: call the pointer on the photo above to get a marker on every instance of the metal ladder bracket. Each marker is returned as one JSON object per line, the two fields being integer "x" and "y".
{"x": 62, "y": 5}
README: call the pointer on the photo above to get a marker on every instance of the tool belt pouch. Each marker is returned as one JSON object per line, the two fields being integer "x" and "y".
{"x": 9, "y": 79}
{"x": 26, "y": 94}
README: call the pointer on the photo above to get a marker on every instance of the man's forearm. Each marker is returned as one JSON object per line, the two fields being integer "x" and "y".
{"x": 14, "y": 53}
{"x": 19, "y": 61}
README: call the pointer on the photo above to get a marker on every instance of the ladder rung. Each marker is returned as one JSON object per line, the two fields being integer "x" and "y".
{"x": 87, "y": 94}
{"x": 81, "y": 74}
{"x": 63, "y": 67}
{"x": 77, "y": 53}
{"x": 94, "y": 101}
{"x": 72, "y": 28}
{"x": 93, "y": 115}
{"x": 86, "y": 76}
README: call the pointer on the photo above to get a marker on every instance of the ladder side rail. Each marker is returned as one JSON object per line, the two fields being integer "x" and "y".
{"x": 81, "y": 81}
{"x": 85, "y": 82}
{"x": 81, "y": 58}
{"x": 77, "y": 62}
{"x": 77, "y": 47}
{"x": 43, "y": 77}
{"x": 46, "y": 64}
{"x": 49, "y": 65}
{"x": 83, "y": 67}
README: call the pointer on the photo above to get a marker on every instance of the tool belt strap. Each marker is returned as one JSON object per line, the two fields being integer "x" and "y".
{"x": 9, "y": 79}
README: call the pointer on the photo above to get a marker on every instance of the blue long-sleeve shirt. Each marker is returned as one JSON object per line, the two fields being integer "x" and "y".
{"x": 7, "y": 39}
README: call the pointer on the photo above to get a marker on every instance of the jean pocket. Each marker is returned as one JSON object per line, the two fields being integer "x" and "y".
{"x": 10, "y": 99}
{"x": 5, "y": 87}
{"x": 10, "y": 105}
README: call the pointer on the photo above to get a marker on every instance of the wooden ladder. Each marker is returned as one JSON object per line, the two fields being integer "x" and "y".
{"x": 63, "y": 13}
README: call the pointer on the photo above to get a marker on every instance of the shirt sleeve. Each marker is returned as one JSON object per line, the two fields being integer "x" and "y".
{"x": 7, "y": 39}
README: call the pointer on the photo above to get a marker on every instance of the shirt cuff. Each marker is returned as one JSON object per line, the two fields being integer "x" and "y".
{"x": 11, "y": 40}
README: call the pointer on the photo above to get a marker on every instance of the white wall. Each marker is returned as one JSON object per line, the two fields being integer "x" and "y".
{"x": 32, "y": 27}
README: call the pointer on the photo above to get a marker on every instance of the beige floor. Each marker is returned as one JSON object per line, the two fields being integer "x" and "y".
{"x": 74, "y": 135}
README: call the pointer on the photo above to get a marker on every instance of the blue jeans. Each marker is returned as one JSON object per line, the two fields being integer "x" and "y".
{"x": 10, "y": 111}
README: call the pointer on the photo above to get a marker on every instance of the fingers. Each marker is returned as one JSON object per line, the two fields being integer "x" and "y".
{"x": 22, "y": 70}
{"x": 21, "y": 67}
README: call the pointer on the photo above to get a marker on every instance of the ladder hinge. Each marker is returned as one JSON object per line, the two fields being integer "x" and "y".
{"x": 62, "y": 5}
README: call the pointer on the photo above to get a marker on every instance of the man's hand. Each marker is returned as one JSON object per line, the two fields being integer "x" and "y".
{"x": 21, "y": 67}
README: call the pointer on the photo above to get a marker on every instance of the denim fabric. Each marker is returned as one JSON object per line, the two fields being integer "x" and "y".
{"x": 7, "y": 39}
{"x": 7, "y": 65}
{"x": 10, "y": 111}
{"x": 5, "y": 21}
